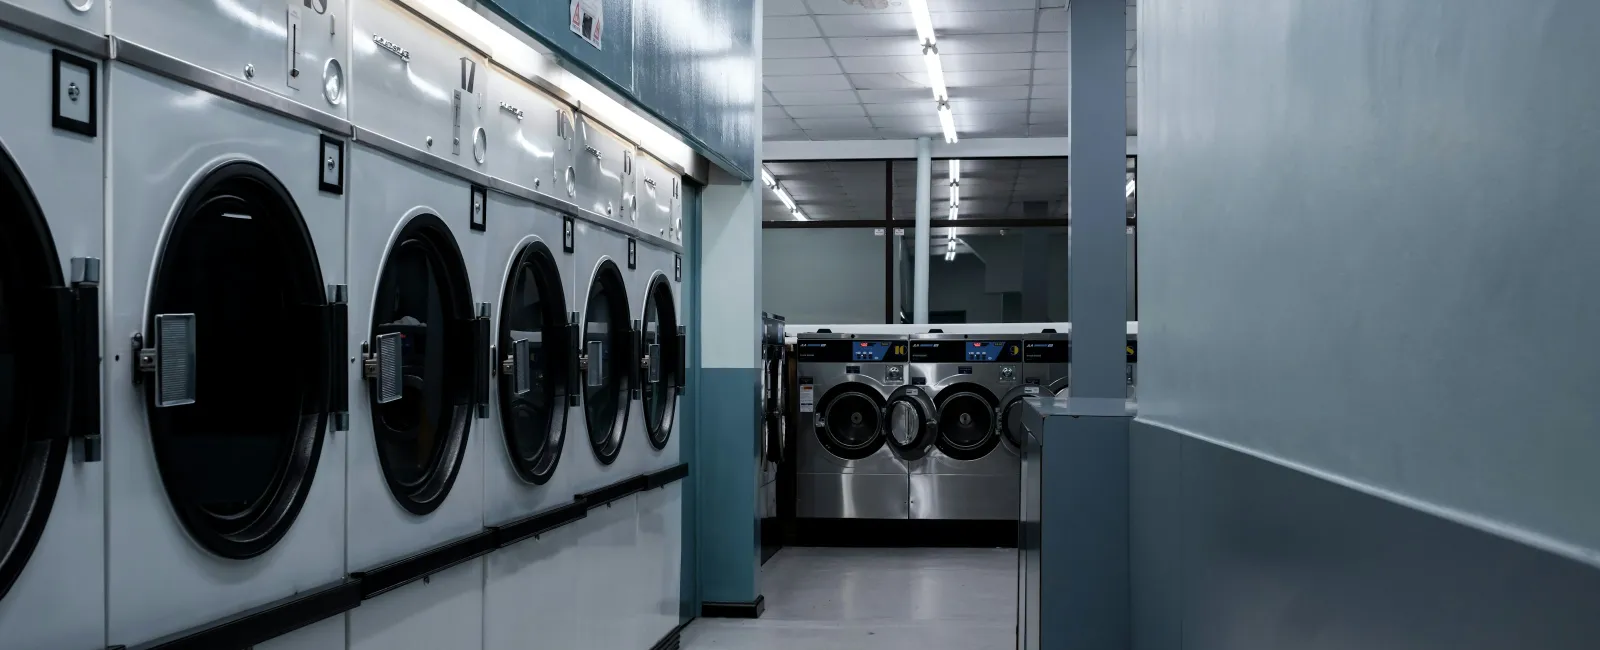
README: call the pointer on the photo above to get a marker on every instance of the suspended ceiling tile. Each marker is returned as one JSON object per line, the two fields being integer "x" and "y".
{"x": 1043, "y": 92}
{"x": 895, "y": 96}
{"x": 1052, "y": 60}
{"x": 890, "y": 81}
{"x": 812, "y": 98}
{"x": 786, "y": 135}
{"x": 788, "y": 48}
{"x": 900, "y": 108}
{"x": 997, "y": 106}
{"x": 767, "y": 100}
{"x": 985, "y": 78}
{"x": 1050, "y": 42}
{"x": 1051, "y": 76}
{"x": 989, "y": 92}
{"x": 826, "y": 110}
{"x": 881, "y": 64}
{"x": 789, "y": 27}
{"x": 979, "y": 44}
{"x": 807, "y": 83}
{"x": 897, "y": 45}
{"x": 834, "y": 123}
{"x": 1047, "y": 117}
{"x": 983, "y": 22}
{"x": 868, "y": 24}
{"x": 982, "y": 62}
{"x": 823, "y": 7}
{"x": 1051, "y": 130}
{"x": 1061, "y": 104}
{"x": 1053, "y": 20}
{"x": 813, "y": 65}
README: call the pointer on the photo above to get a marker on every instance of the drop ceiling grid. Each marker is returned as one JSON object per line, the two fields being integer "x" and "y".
{"x": 835, "y": 70}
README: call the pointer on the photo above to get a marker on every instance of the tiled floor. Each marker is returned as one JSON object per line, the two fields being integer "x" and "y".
{"x": 876, "y": 599}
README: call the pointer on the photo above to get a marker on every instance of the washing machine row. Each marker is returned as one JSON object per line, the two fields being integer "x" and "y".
{"x": 347, "y": 330}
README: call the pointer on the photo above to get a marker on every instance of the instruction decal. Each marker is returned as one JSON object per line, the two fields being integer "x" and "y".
{"x": 588, "y": 20}
{"x": 807, "y": 398}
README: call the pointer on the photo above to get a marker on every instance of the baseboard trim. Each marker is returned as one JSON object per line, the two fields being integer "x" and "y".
{"x": 734, "y": 610}
{"x": 672, "y": 640}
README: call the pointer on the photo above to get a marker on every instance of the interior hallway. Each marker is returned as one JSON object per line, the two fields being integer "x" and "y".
{"x": 883, "y": 599}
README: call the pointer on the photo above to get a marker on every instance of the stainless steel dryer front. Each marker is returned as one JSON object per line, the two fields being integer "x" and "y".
{"x": 971, "y": 474}
{"x": 860, "y": 424}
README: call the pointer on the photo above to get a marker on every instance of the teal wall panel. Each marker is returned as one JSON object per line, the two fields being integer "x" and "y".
{"x": 730, "y": 553}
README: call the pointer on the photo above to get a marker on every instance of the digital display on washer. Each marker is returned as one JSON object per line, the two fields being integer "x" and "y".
{"x": 853, "y": 351}
{"x": 958, "y": 351}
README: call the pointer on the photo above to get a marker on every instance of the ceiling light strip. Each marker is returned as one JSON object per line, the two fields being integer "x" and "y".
{"x": 783, "y": 194}
{"x": 929, "y": 42}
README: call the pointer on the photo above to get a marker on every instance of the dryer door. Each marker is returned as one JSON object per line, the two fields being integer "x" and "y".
{"x": 422, "y": 363}
{"x": 913, "y": 422}
{"x": 662, "y": 362}
{"x": 850, "y": 421}
{"x": 534, "y": 342}
{"x": 608, "y": 362}
{"x": 49, "y": 371}
{"x": 1011, "y": 412}
{"x": 967, "y": 421}
{"x": 239, "y": 361}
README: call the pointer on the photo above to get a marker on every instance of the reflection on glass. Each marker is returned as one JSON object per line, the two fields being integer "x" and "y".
{"x": 660, "y": 330}
{"x": 852, "y": 420}
{"x": 604, "y": 331}
{"x": 529, "y": 416}
{"x": 410, "y": 302}
{"x": 966, "y": 420}
{"x": 10, "y": 447}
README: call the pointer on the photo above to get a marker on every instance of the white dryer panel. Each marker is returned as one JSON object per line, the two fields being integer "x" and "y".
{"x": 515, "y": 225}
{"x": 386, "y": 193}
{"x": 283, "y": 46}
{"x": 527, "y": 143}
{"x": 593, "y": 247}
{"x": 444, "y": 610}
{"x": 610, "y": 588}
{"x": 660, "y": 558}
{"x": 417, "y": 85}
{"x": 604, "y": 161}
{"x": 58, "y": 601}
{"x": 531, "y": 592}
{"x": 87, "y": 15}
{"x": 191, "y": 132}
{"x": 660, "y": 199}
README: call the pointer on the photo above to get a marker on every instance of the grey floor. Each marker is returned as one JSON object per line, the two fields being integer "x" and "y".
{"x": 882, "y": 599}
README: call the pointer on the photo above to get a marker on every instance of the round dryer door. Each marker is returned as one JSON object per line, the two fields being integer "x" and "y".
{"x": 1011, "y": 412}
{"x": 663, "y": 362}
{"x": 777, "y": 416}
{"x": 39, "y": 371}
{"x": 967, "y": 421}
{"x": 421, "y": 362}
{"x": 237, "y": 433}
{"x": 850, "y": 421}
{"x": 913, "y": 422}
{"x": 534, "y": 342}
{"x": 608, "y": 362}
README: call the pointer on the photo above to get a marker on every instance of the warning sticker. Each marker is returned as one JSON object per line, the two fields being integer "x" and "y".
{"x": 588, "y": 18}
{"x": 807, "y": 398}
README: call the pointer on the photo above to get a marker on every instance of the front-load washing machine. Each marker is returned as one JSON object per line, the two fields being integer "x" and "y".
{"x": 420, "y": 322}
{"x": 528, "y": 584}
{"x": 225, "y": 278}
{"x": 663, "y": 347}
{"x": 860, "y": 425}
{"x": 1046, "y": 368}
{"x": 970, "y": 474}
{"x": 773, "y": 429}
{"x": 52, "y": 535}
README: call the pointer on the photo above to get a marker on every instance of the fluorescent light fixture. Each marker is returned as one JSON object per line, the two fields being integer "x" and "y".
{"x": 799, "y": 214}
{"x": 783, "y": 195}
{"x": 955, "y": 194}
{"x": 924, "y": 22}
{"x": 947, "y": 122}
{"x": 955, "y": 170}
{"x": 1127, "y": 190}
{"x": 950, "y": 256}
{"x": 766, "y": 177}
{"x": 930, "y": 58}
{"x": 955, "y": 212}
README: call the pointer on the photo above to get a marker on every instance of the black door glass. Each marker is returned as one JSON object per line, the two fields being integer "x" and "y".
{"x": 238, "y": 462}
{"x": 660, "y": 329}
{"x": 853, "y": 421}
{"x": 1011, "y": 421}
{"x": 966, "y": 420}
{"x": 533, "y": 311}
{"x": 608, "y": 378}
{"x": 423, "y": 297}
{"x": 12, "y": 444}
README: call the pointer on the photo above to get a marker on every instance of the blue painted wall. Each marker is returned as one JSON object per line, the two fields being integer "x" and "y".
{"x": 686, "y": 62}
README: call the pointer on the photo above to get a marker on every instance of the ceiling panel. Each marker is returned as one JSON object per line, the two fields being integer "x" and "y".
{"x": 853, "y": 68}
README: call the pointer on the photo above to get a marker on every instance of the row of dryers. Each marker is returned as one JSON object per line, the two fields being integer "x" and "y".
{"x": 919, "y": 427}
{"x": 299, "y": 302}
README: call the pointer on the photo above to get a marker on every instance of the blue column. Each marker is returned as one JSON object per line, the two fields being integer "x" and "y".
{"x": 1097, "y": 261}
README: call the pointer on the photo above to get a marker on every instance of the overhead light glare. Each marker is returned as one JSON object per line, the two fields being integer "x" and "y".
{"x": 783, "y": 195}
{"x": 1127, "y": 190}
{"x": 948, "y": 123}
{"x": 955, "y": 170}
{"x": 930, "y": 58}
{"x": 766, "y": 177}
{"x": 923, "y": 21}
{"x": 955, "y": 212}
{"x": 799, "y": 214}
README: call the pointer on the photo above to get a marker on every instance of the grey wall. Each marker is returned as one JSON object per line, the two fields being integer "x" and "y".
{"x": 819, "y": 276}
{"x": 683, "y": 61}
{"x": 1368, "y": 246}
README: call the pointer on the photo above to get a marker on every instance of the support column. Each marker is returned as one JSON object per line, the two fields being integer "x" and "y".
{"x": 1036, "y": 267}
{"x": 919, "y": 277}
{"x": 728, "y": 392}
{"x": 1097, "y": 261}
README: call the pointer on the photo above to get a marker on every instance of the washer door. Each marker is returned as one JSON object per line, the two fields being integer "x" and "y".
{"x": 913, "y": 422}
{"x": 773, "y": 434}
{"x": 967, "y": 421}
{"x": 608, "y": 362}
{"x": 662, "y": 363}
{"x": 534, "y": 343}
{"x": 422, "y": 359}
{"x": 242, "y": 344}
{"x": 49, "y": 371}
{"x": 850, "y": 421}
{"x": 1011, "y": 411}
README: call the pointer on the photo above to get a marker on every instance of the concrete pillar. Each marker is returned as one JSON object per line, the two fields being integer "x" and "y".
{"x": 1035, "y": 268}
{"x": 1097, "y": 264}
{"x": 728, "y": 391}
{"x": 919, "y": 277}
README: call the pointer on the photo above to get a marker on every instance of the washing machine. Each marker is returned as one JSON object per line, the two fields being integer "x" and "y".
{"x": 970, "y": 475}
{"x": 1048, "y": 362}
{"x": 861, "y": 425}
{"x": 420, "y": 327}
{"x": 52, "y": 527}
{"x": 527, "y": 587}
{"x": 773, "y": 429}
{"x": 226, "y": 312}
{"x": 656, "y": 208}
{"x": 1046, "y": 371}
